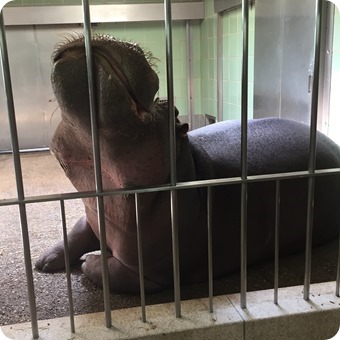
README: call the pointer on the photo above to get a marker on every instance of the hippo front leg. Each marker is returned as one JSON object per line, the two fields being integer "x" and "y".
{"x": 121, "y": 278}
{"x": 81, "y": 240}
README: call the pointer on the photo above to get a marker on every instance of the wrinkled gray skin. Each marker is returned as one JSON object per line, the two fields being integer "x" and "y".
{"x": 133, "y": 130}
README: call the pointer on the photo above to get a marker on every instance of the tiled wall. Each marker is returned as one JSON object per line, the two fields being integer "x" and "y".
{"x": 208, "y": 62}
{"x": 232, "y": 62}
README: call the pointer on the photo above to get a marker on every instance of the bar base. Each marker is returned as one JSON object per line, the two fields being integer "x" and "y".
{"x": 292, "y": 318}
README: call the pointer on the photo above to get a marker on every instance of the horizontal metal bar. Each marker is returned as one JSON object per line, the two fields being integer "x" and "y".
{"x": 9, "y": 152}
{"x": 72, "y": 14}
{"x": 178, "y": 186}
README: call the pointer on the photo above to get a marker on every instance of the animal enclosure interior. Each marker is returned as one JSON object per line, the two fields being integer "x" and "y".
{"x": 207, "y": 74}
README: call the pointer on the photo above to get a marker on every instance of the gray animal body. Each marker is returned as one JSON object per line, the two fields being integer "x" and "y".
{"x": 134, "y": 146}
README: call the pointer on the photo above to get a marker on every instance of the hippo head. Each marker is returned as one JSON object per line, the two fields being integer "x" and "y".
{"x": 125, "y": 83}
{"x": 133, "y": 125}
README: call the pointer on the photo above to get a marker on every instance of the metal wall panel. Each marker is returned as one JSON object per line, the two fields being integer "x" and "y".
{"x": 26, "y": 81}
{"x": 37, "y": 113}
{"x": 284, "y": 62}
{"x": 298, "y": 63}
{"x": 71, "y": 14}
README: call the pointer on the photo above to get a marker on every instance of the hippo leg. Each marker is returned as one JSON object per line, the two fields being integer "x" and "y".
{"x": 81, "y": 240}
{"x": 121, "y": 278}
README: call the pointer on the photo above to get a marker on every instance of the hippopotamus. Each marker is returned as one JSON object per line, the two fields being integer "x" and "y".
{"x": 133, "y": 128}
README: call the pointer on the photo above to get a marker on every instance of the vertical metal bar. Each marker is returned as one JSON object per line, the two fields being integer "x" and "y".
{"x": 326, "y": 42}
{"x": 67, "y": 265}
{"x": 189, "y": 73}
{"x": 97, "y": 162}
{"x": 172, "y": 141}
{"x": 337, "y": 286}
{"x": 210, "y": 253}
{"x": 140, "y": 256}
{"x": 18, "y": 176}
{"x": 219, "y": 67}
{"x": 244, "y": 151}
{"x": 277, "y": 242}
{"x": 170, "y": 89}
{"x": 175, "y": 251}
{"x": 312, "y": 149}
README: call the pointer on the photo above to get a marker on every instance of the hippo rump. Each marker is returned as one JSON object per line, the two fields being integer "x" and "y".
{"x": 134, "y": 147}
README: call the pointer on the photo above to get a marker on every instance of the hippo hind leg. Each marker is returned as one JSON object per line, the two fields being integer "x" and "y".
{"x": 121, "y": 278}
{"x": 81, "y": 240}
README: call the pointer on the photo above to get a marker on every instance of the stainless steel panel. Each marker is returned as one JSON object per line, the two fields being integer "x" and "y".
{"x": 283, "y": 58}
{"x": 268, "y": 58}
{"x": 298, "y": 62}
{"x": 48, "y": 15}
{"x": 26, "y": 81}
{"x": 37, "y": 113}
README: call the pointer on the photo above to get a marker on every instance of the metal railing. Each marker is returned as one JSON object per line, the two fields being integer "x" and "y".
{"x": 174, "y": 186}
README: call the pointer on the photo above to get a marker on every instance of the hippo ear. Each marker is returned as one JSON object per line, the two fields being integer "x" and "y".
{"x": 182, "y": 129}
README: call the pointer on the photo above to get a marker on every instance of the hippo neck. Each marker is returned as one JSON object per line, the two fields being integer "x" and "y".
{"x": 130, "y": 164}
{"x": 143, "y": 163}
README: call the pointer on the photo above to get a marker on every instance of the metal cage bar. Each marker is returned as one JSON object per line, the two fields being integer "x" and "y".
{"x": 277, "y": 241}
{"x": 337, "y": 282}
{"x": 210, "y": 249}
{"x": 179, "y": 186}
{"x": 18, "y": 176}
{"x": 219, "y": 67}
{"x": 312, "y": 149}
{"x": 97, "y": 162}
{"x": 172, "y": 147}
{"x": 67, "y": 265}
{"x": 244, "y": 151}
{"x": 140, "y": 255}
{"x": 190, "y": 77}
{"x": 311, "y": 174}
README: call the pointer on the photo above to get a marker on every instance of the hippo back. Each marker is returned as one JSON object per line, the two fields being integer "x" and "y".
{"x": 274, "y": 146}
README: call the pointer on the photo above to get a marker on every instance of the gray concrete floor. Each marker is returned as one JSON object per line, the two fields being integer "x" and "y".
{"x": 42, "y": 175}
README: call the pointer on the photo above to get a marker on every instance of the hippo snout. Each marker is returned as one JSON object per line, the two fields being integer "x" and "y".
{"x": 124, "y": 80}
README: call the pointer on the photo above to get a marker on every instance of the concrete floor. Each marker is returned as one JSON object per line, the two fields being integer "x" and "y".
{"x": 42, "y": 175}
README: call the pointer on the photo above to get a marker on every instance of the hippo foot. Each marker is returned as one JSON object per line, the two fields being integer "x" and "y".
{"x": 92, "y": 268}
{"x": 81, "y": 240}
{"x": 52, "y": 259}
{"x": 121, "y": 278}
